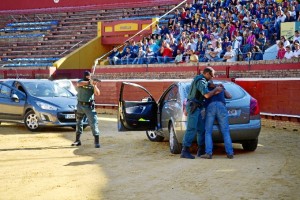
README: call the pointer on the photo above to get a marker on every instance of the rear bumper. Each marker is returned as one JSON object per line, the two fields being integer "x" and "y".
{"x": 238, "y": 132}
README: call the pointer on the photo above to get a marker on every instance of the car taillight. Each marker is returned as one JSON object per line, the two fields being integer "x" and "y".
{"x": 254, "y": 108}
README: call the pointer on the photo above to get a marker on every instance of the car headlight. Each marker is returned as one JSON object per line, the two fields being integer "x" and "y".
{"x": 46, "y": 106}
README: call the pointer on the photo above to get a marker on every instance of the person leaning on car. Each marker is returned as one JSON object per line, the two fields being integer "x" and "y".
{"x": 196, "y": 113}
{"x": 216, "y": 109}
{"x": 86, "y": 89}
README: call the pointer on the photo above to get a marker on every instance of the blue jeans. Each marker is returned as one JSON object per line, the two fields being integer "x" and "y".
{"x": 195, "y": 126}
{"x": 92, "y": 119}
{"x": 217, "y": 110}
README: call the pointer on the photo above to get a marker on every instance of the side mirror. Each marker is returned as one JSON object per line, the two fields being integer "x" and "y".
{"x": 15, "y": 98}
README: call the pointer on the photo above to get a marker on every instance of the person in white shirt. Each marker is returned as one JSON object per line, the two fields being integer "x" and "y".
{"x": 296, "y": 36}
{"x": 297, "y": 50}
{"x": 230, "y": 55}
{"x": 288, "y": 54}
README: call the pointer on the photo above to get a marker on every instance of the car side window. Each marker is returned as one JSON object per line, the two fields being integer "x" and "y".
{"x": 5, "y": 91}
{"x": 173, "y": 94}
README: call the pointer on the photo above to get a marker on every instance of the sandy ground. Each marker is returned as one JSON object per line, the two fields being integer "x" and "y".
{"x": 44, "y": 166}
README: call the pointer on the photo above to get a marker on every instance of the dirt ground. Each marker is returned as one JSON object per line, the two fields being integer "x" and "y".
{"x": 44, "y": 166}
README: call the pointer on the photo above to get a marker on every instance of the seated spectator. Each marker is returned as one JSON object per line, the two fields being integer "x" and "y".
{"x": 127, "y": 57}
{"x": 207, "y": 56}
{"x": 281, "y": 50}
{"x": 297, "y": 36}
{"x": 249, "y": 56}
{"x": 139, "y": 59}
{"x": 297, "y": 50}
{"x": 149, "y": 56}
{"x": 261, "y": 41}
{"x": 179, "y": 57}
{"x": 166, "y": 54}
{"x": 285, "y": 41}
{"x": 215, "y": 55}
{"x": 257, "y": 53}
{"x": 289, "y": 54}
{"x": 193, "y": 57}
{"x": 230, "y": 55}
{"x": 114, "y": 56}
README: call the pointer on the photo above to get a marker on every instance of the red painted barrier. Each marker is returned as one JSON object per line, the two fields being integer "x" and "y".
{"x": 275, "y": 96}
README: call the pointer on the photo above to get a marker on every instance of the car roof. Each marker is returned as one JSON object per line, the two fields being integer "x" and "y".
{"x": 28, "y": 80}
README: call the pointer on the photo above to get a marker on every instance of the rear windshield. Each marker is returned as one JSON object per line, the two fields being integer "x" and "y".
{"x": 236, "y": 91}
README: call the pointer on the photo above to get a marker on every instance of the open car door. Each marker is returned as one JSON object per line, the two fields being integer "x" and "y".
{"x": 137, "y": 108}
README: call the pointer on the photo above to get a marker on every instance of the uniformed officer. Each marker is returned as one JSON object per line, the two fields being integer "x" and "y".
{"x": 86, "y": 89}
{"x": 196, "y": 113}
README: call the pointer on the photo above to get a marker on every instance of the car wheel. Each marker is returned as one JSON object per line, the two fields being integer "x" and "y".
{"x": 175, "y": 147}
{"x": 31, "y": 121}
{"x": 154, "y": 137}
{"x": 250, "y": 145}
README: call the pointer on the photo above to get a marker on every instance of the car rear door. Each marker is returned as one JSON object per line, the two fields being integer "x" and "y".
{"x": 137, "y": 108}
{"x": 11, "y": 109}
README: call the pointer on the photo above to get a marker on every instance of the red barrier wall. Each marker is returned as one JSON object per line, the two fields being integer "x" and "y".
{"x": 275, "y": 96}
{"x": 53, "y": 4}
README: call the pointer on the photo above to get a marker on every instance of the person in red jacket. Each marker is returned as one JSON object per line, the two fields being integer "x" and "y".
{"x": 281, "y": 51}
{"x": 166, "y": 54}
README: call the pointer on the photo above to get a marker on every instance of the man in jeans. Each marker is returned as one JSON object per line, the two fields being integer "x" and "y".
{"x": 216, "y": 109}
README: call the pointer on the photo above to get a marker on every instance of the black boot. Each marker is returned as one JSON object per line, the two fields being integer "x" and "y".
{"x": 200, "y": 150}
{"x": 185, "y": 153}
{"x": 77, "y": 141}
{"x": 97, "y": 145}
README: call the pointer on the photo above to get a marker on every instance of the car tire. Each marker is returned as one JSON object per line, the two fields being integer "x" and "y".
{"x": 250, "y": 145}
{"x": 154, "y": 137}
{"x": 175, "y": 147}
{"x": 31, "y": 121}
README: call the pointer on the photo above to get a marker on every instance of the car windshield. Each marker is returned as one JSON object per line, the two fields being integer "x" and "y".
{"x": 46, "y": 89}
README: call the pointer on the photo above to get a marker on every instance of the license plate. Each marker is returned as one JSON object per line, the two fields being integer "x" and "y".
{"x": 232, "y": 113}
{"x": 70, "y": 116}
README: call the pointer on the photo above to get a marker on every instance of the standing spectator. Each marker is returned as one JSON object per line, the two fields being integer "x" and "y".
{"x": 281, "y": 50}
{"x": 87, "y": 88}
{"x": 216, "y": 109}
{"x": 195, "y": 109}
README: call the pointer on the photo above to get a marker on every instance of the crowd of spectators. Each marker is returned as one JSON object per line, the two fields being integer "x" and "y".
{"x": 216, "y": 31}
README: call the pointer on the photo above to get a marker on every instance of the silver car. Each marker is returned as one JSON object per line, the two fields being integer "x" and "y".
{"x": 37, "y": 103}
{"x": 166, "y": 119}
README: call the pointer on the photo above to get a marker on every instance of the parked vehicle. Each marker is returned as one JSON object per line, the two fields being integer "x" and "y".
{"x": 37, "y": 103}
{"x": 165, "y": 119}
{"x": 67, "y": 84}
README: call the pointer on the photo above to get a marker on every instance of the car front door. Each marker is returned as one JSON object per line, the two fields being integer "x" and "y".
{"x": 12, "y": 103}
{"x": 137, "y": 108}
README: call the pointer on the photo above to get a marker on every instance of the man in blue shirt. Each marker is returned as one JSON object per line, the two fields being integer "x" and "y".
{"x": 216, "y": 109}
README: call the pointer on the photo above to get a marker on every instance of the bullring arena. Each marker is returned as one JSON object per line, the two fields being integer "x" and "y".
{"x": 61, "y": 39}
